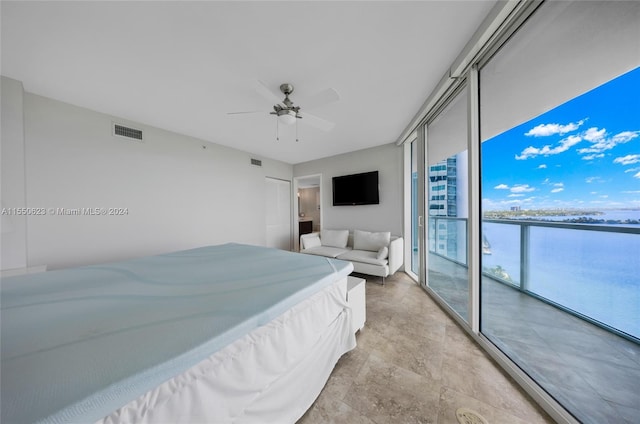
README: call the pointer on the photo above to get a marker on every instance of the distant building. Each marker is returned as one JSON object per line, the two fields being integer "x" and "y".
{"x": 442, "y": 188}
{"x": 448, "y": 199}
{"x": 515, "y": 208}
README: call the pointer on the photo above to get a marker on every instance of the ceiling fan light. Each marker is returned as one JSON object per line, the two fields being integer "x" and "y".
{"x": 287, "y": 117}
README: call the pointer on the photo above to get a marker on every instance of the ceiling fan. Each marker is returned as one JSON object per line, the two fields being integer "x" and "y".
{"x": 288, "y": 113}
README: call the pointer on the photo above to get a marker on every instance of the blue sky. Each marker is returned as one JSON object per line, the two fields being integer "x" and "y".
{"x": 583, "y": 154}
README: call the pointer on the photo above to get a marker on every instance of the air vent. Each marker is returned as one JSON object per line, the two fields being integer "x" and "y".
{"x": 256, "y": 162}
{"x": 122, "y": 131}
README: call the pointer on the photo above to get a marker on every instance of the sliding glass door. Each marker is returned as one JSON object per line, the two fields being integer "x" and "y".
{"x": 550, "y": 284}
{"x": 560, "y": 120}
{"x": 446, "y": 202}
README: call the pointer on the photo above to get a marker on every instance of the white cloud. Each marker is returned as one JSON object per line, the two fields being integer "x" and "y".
{"x": 625, "y": 136}
{"x": 631, "y": 191}
{"x": 558, "y": 188}
{"x": 531, "y": 152}
{"x": 602, "y": 143}
{"x": 521, "y": 188}
{"x": 627, "y": 160}
{"x": 565, "y": 144}
{"x": 637, "y": 175}
{"x": 544, "y": 130}
{"x": 593, "y": 134}
{"x": 515, "y": 190}
{"x": 542, "y": 166}
{"x": 631, "y": 170}
{"x": 592, "y": 157}
{"x": 590, "y": 180}
{"x": 568, "y": 142}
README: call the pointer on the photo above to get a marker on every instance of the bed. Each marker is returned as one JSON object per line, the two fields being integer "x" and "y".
{"x": 228, "y": 333}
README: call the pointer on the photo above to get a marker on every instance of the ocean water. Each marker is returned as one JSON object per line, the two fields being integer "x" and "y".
{"x": 592, "y": 272}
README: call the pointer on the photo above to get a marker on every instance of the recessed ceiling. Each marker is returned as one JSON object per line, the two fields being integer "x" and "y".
{"x": 182, "y": 66}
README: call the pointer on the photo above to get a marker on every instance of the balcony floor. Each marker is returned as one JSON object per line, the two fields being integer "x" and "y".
{"x": 594, "y": 373}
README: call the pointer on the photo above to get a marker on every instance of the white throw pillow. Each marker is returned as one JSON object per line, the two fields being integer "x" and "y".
{"x": 383, "y": 252}
{"x": 335, "y": 238}
{"x": 312, "y": 241}
{"x": 365, "y": 240}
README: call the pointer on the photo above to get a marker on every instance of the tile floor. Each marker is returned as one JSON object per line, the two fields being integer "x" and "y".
{"x": 414, "y": 364}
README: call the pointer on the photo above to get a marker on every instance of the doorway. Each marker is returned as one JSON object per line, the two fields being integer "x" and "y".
{"x": 278, "y": 216}
{"x": 308, "y": 211}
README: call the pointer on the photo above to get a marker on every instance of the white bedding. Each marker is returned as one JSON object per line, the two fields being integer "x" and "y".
{"x": 78, "y": 344}
{"x": 272, "y": 375}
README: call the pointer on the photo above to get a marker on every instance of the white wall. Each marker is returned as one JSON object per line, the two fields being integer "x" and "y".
{"x": 178, "y": 194}
{"x": 387, "y": 216}
{"x": 14, "y": 227}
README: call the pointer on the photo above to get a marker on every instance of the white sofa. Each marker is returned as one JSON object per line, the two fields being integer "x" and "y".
{"x": 379, "y": 254}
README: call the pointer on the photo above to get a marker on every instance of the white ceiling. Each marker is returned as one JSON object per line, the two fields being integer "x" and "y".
{"x": 182, "y": 66}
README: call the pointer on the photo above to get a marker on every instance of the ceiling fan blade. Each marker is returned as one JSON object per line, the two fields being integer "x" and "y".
{"x": 322, "y": 98}
{"x": 267, "y": 93}
{"x": 317, "y": 122}
{"x": 240, "y": 113}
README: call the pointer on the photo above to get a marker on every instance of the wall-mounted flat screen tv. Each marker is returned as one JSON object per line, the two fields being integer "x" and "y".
{"x": 356, "y": 189}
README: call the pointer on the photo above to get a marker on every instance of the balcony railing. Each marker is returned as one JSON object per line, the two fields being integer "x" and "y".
{"x": 448, "y": 238}
{"x": 589, "y": 270}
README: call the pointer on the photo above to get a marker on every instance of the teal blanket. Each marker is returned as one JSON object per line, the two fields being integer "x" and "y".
{"x": 80, "y": 343}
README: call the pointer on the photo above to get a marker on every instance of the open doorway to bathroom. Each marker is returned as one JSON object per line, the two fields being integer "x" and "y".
{"x": 308, "y": 191}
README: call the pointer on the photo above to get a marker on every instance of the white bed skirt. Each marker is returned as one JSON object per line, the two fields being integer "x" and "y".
{"x": 272, "y": 375}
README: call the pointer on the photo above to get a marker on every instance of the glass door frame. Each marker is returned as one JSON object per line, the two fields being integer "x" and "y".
{"x": 414, "y": 141}
{"x": 455, "y": 93}
{"x": 462, "y": 83}
{"x": 504, "y": 21}
{"x": 474, "y": 241}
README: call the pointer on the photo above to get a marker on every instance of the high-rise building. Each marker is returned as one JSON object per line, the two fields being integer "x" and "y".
{"x": 447, "y": 200}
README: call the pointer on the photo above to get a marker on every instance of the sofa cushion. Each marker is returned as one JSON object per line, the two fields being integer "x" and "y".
{"x": 365, "y": 256}
{"x": 365, "y": 240}
{"x": 312, "y": 241}
{"x": 331, "y": 252}
{"x": 334, "y": 238}
{"x": 383, "y": 253}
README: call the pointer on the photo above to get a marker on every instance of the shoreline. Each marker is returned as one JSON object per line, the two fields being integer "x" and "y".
{"x": 568, "y": 216}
